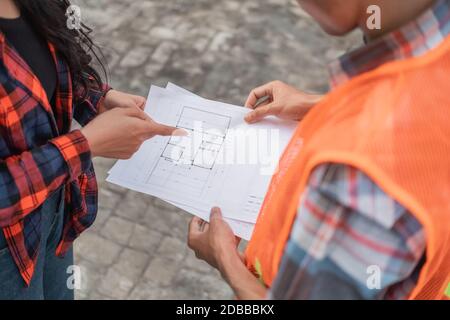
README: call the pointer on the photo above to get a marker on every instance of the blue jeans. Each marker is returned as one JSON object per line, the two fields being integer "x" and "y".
{"x": 50, "y": 277}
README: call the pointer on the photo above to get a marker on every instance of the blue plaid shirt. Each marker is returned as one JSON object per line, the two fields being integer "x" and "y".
{"x": 39, "y": 155}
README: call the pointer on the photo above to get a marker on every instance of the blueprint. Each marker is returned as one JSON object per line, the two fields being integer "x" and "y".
{"x": 200, "y": 170}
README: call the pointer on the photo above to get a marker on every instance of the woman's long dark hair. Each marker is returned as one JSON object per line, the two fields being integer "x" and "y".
{"x": 49, "y": 19}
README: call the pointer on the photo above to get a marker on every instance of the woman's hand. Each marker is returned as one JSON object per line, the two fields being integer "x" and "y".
{"x": 213, "y": 242}
{"x": 118, "y": 133}
{"x": 117, "y": 99}
{"x": 282, "y": 101}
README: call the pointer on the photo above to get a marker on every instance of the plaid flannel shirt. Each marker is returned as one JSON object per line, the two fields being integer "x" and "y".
{"x": 346, "y": 223}
{"x": 39, "y": 156}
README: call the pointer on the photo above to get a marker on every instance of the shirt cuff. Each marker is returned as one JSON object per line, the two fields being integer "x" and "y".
{"x": 76, "y": 152}
{"x": 88, "y": 109}
{"x": 96, "y": 98}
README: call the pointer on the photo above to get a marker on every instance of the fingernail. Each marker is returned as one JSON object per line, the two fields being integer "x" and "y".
{"x": 180, "y": 133}
{"x": 215, "y": 211}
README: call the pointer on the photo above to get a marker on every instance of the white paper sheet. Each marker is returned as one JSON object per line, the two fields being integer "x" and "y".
{"x": 197, "y": 185}
{"x": 241, "y": 229}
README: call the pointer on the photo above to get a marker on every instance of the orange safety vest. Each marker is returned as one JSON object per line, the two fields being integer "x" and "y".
{"x": 393, "y": 124}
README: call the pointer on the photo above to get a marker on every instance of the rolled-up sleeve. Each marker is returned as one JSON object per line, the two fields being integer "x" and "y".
{"x": 86, "y": 109}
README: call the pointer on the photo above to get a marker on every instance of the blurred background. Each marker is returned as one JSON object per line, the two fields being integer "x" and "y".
{"x": 220, "y": 50}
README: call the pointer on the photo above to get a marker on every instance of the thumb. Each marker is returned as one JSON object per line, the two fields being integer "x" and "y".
{"x": 135, "y": 112}
{"x": 261, "y": 112}
{"x": 216, "y": 214}
{"x": 140, "y": 102}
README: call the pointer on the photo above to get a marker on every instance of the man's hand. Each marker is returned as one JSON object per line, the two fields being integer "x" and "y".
{"x": 283, "y": 101}
{"x": 117, "y": 99}
{"x": 213, "y": 242}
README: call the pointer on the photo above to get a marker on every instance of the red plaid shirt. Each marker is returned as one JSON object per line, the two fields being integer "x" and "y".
{"x": 39, "y": 155}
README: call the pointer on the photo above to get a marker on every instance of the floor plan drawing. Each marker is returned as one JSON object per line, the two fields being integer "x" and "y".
{"x": 202, "y": 170}
{"x": 195, "y": 155}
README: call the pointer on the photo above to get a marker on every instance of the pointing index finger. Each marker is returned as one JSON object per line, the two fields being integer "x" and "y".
{"x": 163, "y": 130}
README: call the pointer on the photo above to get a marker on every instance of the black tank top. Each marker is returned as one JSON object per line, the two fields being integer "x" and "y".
{"x": 34, "y": 51}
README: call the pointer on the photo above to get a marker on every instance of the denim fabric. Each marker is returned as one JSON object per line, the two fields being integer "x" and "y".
{"x": 50, "y": 277}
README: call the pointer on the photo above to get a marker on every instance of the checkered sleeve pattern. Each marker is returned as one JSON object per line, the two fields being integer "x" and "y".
{"x": 346, "y": 229}
{"x": 26, "y": 180}
{"x": 40, "y": 155}
{"x": 87, "y": 109}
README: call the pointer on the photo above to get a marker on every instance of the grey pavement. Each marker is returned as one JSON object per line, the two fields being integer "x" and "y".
{"x": 220, "y": 50}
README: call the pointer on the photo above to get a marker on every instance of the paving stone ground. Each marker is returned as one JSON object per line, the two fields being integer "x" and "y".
{"x": 218, "y": 49}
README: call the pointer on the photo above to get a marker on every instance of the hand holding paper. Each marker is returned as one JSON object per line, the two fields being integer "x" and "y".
{"x": 222, "y": 161}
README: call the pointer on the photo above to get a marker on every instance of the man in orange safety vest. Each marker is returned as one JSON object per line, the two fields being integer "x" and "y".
{"x": 363, "y": 188}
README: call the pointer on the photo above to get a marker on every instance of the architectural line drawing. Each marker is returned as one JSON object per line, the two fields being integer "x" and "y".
{"x": 189, "y": 161}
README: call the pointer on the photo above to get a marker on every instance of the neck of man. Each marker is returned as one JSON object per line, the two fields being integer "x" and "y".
{"x": 8, "y": 9}
{"x": 394, "y": 14}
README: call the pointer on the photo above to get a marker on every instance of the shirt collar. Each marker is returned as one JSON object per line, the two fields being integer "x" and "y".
{"x": 412, "y": 40}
